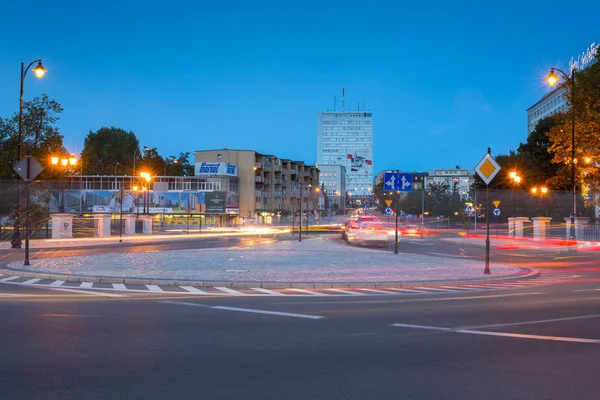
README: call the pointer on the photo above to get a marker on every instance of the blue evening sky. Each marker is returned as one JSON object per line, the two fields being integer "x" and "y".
{"x": 444, "y": 80}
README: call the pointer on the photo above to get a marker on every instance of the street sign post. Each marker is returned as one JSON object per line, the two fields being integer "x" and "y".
{"x": 395, "y": 181}
{"x": 487, "y": 169}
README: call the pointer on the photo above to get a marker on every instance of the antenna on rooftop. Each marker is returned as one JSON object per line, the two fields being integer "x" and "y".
{"x": 334, "y": 102}
{"x": 343, "y": 101}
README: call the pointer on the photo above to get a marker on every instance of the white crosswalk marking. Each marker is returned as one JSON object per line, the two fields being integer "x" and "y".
{"x": 230, "y": 291}
{"x": 267, "y": 291}
{"x": 192, "y": 289}
{"x": 10, "y": 278}
{"x": 154, "y": 288}
{"x": 309, "y": 292}
{"x": 119, "y": 286}
{"x": 57, "y": 283}
{"x": 86, "y": 285}
{"x": 350, "y": 292}
{"x": 31, "y": 281}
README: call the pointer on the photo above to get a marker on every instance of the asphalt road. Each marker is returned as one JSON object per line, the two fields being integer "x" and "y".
{"x": 540, "y": 342}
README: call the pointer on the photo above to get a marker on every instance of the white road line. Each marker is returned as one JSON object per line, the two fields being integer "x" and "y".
{"x": 309, "y": 292}
{"x": 247, "y": 310}
{"x": 230, "y": 291}
{"x": 502, "y": 334}
{"x": 56, "y": 283}
{"x": 536, "y": 337}
{"x": 267, "y": 291}
{"x": 282, "y": 314}
{"x": 407, "y": 290}
{"x": 119, "y": 286}
{"x": 86, "y": 285}
{"x": 81, "y": 291}
{"x": 10, "y": 278}
{"x": 154, "y": 288}
{"x": 541, "y": 321}
{"x": 350, "y": 292}
{"x": 192, "y": 289}
{"x": 31, "y": 281}
{"x": 378, "y": 291}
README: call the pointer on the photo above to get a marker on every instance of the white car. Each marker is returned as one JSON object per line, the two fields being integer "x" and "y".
{"x": 367, "y": 232}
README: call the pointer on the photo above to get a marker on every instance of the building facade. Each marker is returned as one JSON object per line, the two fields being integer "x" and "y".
{"x": 269, "y": 187}
{"x": 552, "y": 103}
{"x": 557, "y": 100}
{"x": 333, "y": 181}
{"x": 346, "y": 138}
{"x": 455, "y": 178}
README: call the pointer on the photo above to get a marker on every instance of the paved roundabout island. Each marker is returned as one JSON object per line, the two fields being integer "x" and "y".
{"x": 283, "y": 263}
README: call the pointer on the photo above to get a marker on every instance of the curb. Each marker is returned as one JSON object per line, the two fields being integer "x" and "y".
{"x": 531, "y": 274}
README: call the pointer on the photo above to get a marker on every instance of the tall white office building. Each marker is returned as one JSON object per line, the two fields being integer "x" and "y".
{"x": 346, "y": 138}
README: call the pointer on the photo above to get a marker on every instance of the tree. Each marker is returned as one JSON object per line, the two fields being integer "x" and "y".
{"x": 40, "y": 134}
{"x": 587, "y": 126}
{"x": 106, "y": 147}
{"x": 179, "y": 166}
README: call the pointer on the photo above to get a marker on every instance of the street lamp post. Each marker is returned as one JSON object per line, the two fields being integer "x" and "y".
{"x": 137, "y": 150}
{"x": 517, "y": 179}
{"x": 552, "y": 80}
{"x": 64, "y": 163}
{"x": 39, "y": 71}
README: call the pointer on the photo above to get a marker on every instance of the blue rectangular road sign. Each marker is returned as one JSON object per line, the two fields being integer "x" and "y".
{"x": 397, "y": 181}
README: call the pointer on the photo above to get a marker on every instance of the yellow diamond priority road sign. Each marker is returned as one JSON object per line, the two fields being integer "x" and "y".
{"x": 487, "y": 168}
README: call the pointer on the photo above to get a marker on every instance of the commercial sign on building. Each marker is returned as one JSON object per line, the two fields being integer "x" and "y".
{"x": 216, "y": 202}
{"x": 584, "y": 59}
{"x": 215, "y": 168}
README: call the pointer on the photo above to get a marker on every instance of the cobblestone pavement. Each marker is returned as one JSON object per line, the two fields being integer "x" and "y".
{"x": 315, "y": 260}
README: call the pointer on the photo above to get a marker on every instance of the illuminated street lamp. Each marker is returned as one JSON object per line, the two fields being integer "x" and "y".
{"x": 148, "y": 178}
{"x": 552, "y": 80}
{"x": 541, "y": 193}
{"x": 517, "y": 179}
{"x": 39, "y": 71}
{"x": 64, "y": 164}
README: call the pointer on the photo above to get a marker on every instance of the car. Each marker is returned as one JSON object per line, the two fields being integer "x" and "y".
{"x": 367, "y": 233}
{"x": 406, "y": 230}
{"x": 359, "y": 218}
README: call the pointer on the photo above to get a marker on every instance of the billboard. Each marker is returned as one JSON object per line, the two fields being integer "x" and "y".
{"x": 215, "y": 168}
{"x": 216, "y": 202}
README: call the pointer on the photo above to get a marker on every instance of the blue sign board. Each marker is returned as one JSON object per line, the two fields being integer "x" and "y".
{"x": 496, "y": 212}
{"x": 388, "y": 210}
{"x": 366, "y": 207}
{"x": 397, "y": 181}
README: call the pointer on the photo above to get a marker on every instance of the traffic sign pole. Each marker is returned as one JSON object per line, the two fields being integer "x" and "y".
{"x": 27, "y": 227}
{"x": 396, "y": 241}
{"x": 486, "y": 271}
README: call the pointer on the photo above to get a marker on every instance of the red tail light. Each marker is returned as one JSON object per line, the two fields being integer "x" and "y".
{"x": 353, "y": 225}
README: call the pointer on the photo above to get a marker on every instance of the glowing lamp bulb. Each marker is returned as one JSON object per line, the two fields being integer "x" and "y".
{"x": 39, "y": 70}
{"x": 552, "y": 79}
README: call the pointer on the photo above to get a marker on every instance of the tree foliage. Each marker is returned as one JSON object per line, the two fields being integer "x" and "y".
{"x": 40, "y": 134}
{"x": 586, "y": 102}
{"x": 106, "y": 147}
